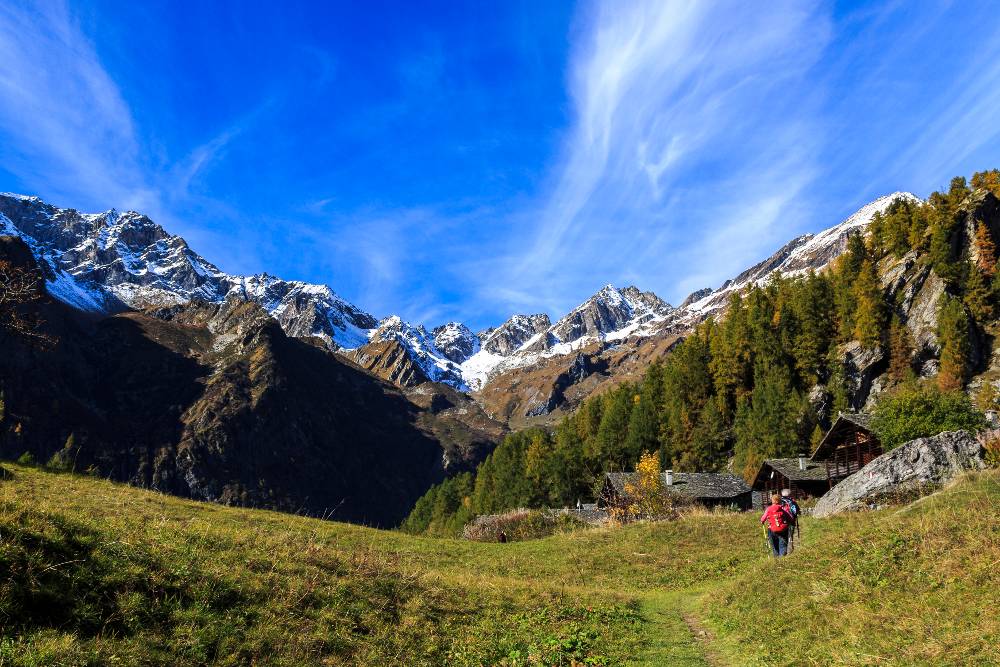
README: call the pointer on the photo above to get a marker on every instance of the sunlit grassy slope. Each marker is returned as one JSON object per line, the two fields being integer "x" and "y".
{"x": 97, "y": 573}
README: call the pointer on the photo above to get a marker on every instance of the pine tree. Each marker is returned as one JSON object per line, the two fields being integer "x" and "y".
{"x": 815, "y": 438}
{"x": 706, "y": 448}
{"x": 613, "y": 430}
{"x": 989, "y": 180}
{"x": 766, "y": 425}
{"x": 978, "y": 295}
{"x": 812, "y": 303}
{"x": 643, "y": 428}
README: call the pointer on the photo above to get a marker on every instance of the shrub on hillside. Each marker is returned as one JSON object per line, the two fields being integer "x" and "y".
{"x": 520, "y": 524}
{"x": 919, "y": 410}
{"x": 991, "y": 444}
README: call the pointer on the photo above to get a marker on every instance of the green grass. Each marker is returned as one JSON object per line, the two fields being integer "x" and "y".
{"x": 916, "y": 585}
{"x": 98, "y": 573}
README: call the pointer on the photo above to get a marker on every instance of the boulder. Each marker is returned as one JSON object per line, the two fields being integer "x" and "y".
{"x": 917, "y": 463}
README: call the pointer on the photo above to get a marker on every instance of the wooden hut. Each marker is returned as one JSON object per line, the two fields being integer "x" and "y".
{"x": 805, "y": 479}
{"x": 848, "y": 446}
{"x": 711, "y": 489}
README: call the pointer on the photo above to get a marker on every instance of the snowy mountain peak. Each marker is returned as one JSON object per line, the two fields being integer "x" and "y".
{"x": 455, "y": 341}
{"x": 106, "y": 261}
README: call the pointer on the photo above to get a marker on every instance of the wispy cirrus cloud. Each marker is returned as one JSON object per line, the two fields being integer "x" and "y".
{"x": 64, "y": 118}
{"x": 688, "y": 116}
{"x": 69, "y": 132}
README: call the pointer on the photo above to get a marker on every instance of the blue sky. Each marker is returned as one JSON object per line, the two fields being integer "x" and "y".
{"x": 471, "y": 160}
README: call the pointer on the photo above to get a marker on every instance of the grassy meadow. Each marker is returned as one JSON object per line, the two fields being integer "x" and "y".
{"x": 98, "y": 573}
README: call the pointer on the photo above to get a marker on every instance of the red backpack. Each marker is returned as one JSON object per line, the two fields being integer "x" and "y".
{"x": 776, "y": 519}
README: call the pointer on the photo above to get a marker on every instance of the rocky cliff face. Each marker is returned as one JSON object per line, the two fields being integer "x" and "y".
{"x": 513, "y": 334}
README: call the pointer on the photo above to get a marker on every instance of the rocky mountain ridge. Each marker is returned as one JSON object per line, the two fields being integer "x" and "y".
{"x": 105, "y": 262}
{"x": 109, "y": 261}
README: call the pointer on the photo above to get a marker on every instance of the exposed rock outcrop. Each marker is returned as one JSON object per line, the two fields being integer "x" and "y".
{"x": 513, "y": 333}
{"x": 920, "y": 462}
{"x": 861, "y": 366}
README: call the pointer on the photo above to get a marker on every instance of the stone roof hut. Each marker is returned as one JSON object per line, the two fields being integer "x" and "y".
{"x": 711, "y": 489}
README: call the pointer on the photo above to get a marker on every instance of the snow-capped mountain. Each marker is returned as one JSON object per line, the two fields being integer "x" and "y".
{"x": 809, "y": 252}
{"x": 455, "y": 341}
{"x": 422, "y": 348}
{"x": 103, "y": 261}
{"x": 609, "y": 315}
{"x": 513, "y": 333}
{"x": 613, "y": 316}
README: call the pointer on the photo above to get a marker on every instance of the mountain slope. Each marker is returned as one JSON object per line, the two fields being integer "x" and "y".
{"x": 214, "y": 401}
{"x": 538, "y": 383}
{"x": 102, "y": 571}
{"x": 105, "y": 262}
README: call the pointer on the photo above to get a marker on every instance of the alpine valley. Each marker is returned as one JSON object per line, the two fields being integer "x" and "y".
{"x": 150, "y": 365}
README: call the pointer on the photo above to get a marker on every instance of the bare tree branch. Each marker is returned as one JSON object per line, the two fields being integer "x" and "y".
{"x": 20, "y": 287}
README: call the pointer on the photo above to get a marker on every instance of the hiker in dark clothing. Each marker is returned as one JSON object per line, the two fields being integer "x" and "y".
{"x": 792, "y": 507}
{"x": 778, "y": 521}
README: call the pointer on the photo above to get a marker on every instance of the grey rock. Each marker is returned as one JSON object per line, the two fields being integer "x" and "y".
{"x": 819, "y": 399}
{"x": 455, "y": 341}
{"x": 607, "y": 311}
{"x": 933, "y": 460}
{"x": 513, "y": 333}
{"x": 861, "y": 366}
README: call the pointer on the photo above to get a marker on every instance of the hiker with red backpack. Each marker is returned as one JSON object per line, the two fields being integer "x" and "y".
{"x": 778, "y": 522}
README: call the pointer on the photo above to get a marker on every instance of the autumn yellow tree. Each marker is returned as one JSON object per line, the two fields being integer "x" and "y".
{"x": 644, "y": 494}
{"x": 986, "y": 250}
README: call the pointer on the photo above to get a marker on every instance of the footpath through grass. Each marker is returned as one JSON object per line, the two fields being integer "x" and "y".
{"x": 98, "y": 573}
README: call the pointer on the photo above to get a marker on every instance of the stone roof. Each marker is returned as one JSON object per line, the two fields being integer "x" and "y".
{"x": 815, "y": 470}
{"x": 691, "y": 484}
{"x": 846, "y": 425}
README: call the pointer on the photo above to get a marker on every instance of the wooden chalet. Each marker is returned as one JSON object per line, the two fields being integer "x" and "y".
{"x": 710, "y": 489}
{"x": 805, "y": 479}
{"x": 848, "y": 446}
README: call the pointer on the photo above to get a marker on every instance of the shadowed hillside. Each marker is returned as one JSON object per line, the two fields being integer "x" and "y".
{"x": 216, "y": 402}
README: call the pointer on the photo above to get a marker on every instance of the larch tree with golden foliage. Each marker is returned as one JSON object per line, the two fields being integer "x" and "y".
{"x": 953, "y": 335}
